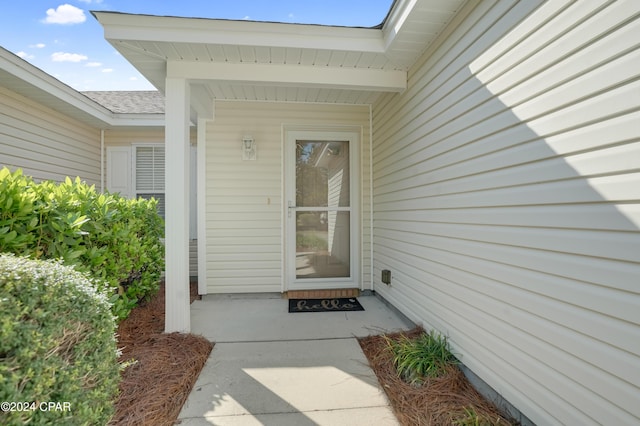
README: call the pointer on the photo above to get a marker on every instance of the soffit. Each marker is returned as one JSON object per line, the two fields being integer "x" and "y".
{"x": 413, "y": 25}
{"x": 150, "y": 43}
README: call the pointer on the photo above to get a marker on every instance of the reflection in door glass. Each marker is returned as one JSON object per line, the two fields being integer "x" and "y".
{"x": 322, "y": 173}
{"x": 322, "y": 244}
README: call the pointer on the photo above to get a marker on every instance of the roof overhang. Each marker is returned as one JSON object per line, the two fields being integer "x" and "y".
{"x": 31, "y": 82}
{"x": 249, "y": 60}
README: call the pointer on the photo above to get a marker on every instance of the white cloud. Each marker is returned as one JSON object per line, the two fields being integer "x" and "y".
{"x": 133, "y": 78}
{"x": 246, "y": 18}
{"x": 291, "y": 16}
{"x": 93, "y": 64}
{"x": 107, "y": 70}
{"x": 68, "y": 57}
{"x": 37, "y": 45}
{"x": 65, "y": 14}
{"x": 24, "y": 55}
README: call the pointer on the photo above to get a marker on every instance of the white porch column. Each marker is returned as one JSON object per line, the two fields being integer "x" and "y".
{"x": 177, "y": 309}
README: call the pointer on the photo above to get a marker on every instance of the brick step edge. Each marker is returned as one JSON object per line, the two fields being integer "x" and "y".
{"x": 322, "y": 294}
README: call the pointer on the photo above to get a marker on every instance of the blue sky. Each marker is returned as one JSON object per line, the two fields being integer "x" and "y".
{"x": 63, "y": 39}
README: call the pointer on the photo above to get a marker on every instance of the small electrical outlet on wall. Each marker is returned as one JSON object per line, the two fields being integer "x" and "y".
{"x": 386, "y": 276}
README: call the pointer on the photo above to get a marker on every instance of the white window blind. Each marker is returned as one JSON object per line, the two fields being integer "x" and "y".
{"x": 149, "y": 172}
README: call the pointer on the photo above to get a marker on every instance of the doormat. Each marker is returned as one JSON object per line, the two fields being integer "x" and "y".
{"x": 325, "y": 305}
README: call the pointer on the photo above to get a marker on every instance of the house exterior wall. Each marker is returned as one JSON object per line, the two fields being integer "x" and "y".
{"x": 130, "y": 135}
{"x": 44, "y": 143}
{"x": 126, "y": 138}
{"x": 119, "y": 155}
{"x": 122, "y": 140}
{"x": 244, "y": 204}
{"x": 507, "y": 203}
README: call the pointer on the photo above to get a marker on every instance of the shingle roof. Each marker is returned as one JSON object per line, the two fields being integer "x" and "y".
{"x": 129, "y": 102}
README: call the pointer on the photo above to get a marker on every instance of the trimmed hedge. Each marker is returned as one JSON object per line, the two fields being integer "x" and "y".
{"x": 117, "y": 240}
{"x": 58, "y": 346}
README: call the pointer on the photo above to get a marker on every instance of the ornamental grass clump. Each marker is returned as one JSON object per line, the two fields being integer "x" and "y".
{"x": 426, "y": 356}
{"x": 58, "y": 355}
{"x": 448, "y": 399}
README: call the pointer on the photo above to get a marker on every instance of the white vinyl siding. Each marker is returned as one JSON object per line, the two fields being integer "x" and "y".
{"x": 125, "y": 136}
{"x": 44, "y": 143}
{"x": 507, "y": 203}
{"x": 149, "y": 173}
{"x": 244, "y": 206}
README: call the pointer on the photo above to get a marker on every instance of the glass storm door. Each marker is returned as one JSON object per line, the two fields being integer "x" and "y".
{"x": 320, "y": 210}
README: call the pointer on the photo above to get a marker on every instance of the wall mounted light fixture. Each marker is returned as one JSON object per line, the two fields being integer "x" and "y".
{"x": 248, "y": 148}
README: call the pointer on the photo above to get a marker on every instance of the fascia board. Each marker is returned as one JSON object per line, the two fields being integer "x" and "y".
{"x": 137, "y": 120}
{"x": 120, "y": 26}
{"x": 397, "y": 17}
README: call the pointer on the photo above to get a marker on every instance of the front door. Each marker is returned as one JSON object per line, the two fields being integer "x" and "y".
{"x": 321, "y": 213}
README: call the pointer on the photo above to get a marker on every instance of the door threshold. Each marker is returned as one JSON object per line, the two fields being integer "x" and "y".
{"x": 322, "y": 294}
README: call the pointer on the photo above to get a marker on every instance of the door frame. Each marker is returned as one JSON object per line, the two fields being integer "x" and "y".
{"x": 353, "y": 134}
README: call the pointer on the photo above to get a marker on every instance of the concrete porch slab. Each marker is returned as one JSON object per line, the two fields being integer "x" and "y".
{"x": 270, "y": 367}
{"x": 264, "y": 317}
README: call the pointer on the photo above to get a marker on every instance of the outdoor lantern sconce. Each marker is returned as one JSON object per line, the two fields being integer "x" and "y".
{"x": 248, "y": 148}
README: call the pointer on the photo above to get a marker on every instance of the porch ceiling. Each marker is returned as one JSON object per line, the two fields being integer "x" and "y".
{"x": 246, "y": 60}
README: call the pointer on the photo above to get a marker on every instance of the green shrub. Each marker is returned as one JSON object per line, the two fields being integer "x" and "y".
{"x": 428, "y": 355}
{"x": 58, "y": 345}
{"x": 116, "y": 239}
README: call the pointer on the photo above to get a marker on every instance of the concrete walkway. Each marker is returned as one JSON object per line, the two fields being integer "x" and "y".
{"x": 270, "y": 367}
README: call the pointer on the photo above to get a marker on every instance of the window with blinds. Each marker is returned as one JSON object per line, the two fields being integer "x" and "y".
{"x": 149, "y": 174}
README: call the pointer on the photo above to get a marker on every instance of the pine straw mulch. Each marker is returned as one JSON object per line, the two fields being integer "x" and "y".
{"x": 155, "y": 387}
{"x": 446, "y": 400}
